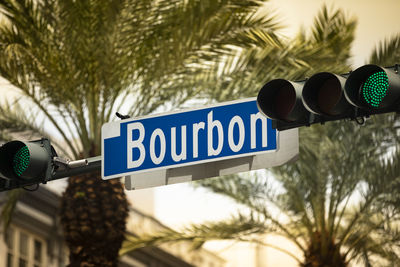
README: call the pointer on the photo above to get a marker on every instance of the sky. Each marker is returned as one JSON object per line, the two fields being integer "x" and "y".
{"x": 377, "y": 20}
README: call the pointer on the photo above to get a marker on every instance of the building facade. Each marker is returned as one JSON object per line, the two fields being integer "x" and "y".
{"x": 34, "y": 238}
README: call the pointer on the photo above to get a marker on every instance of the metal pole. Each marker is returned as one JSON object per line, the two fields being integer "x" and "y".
{"x": 79, "y": 167}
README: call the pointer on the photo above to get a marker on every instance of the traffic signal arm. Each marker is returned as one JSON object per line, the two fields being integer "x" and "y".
{"x": 325, "y": 96}
{"x": 82, "y": 166}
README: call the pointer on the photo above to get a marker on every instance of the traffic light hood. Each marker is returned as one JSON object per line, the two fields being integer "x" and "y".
{"x": 281, "y": 100}
{"x": 323, "y": 94}
{"x": 373, "y": 87}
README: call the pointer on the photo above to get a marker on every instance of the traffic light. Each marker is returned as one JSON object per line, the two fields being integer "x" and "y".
{"x": 26, "y": 163}
{"x": 325, "y": 96}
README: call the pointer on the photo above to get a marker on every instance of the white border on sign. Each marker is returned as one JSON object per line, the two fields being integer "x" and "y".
{"x": 111, "y": 127}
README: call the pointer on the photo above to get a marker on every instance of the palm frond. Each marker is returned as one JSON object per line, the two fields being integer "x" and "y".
{"x": 387, "y": 52}
{"x": 9, "y": 206}
{"x": 250, "y": 191}
{"x": 240, "y": 228}
{"x": 247, "y": 70}
{"x": 17, "y": 121}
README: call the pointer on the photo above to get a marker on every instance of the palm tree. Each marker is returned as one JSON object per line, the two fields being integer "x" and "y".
{"x": 76, "y": 63}
{"x": 338, "y": 203}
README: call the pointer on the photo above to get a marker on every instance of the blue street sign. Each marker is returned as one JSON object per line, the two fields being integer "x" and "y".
{"x": 225, "y": 131}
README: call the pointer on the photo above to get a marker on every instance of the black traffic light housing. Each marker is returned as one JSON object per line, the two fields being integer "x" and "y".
{"x": 34, "y": 162}
{"x": 26, "y": 163}
{"x": 281, "y": 101}
{"x": 325, "y": 96}
{"x": 389, "y": 99}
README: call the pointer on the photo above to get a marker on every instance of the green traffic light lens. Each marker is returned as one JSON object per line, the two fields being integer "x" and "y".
{"x": 374, "y": 88}
{"x": 21, "y": 160}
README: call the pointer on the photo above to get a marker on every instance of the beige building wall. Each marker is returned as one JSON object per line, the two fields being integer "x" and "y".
{"x": 142, "y": 200}
{"x": 38, "y": 240}
{"x": 141, "y": 223}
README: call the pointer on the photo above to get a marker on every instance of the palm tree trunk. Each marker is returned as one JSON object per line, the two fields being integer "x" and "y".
{"x": 93, "y": 215}
{"x": 318, "y": 255}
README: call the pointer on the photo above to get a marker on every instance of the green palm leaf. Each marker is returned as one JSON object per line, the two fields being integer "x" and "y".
{"x": 79, "y": 62}
{"x": 387, "y": 52}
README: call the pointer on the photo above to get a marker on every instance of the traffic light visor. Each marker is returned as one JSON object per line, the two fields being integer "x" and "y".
{"x": 373, "y": 87}
{"x": 279, "y": 99}
{"x": 323, "y": 94}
